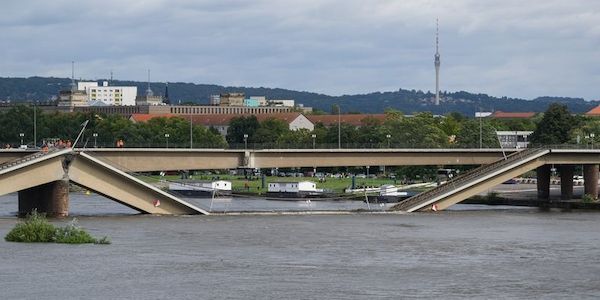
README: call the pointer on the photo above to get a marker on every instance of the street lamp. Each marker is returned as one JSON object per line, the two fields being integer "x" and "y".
{"x": 245, "y": 141}
{"x": 339, "y": 127}
{"x": 314, "y": 137}
{"x": 21, "y": 135}
{"x": 388, "y": 136}
{"x": 592, "y": 135}
{"x": 167, "y": 138}
{"x": 95, "y": 135}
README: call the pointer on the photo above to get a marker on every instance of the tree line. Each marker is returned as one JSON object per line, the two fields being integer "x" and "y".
{"x": 422, "y": 130}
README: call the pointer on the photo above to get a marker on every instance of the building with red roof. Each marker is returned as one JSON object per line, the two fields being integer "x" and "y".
{"x": 594, "y": 112}
{"x": 295, "y": 120}
{"x": 351, "y": 119}
{"x": 512, "y": 115}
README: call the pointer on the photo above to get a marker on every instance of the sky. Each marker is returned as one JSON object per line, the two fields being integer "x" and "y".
{"x": 510, "y": 48}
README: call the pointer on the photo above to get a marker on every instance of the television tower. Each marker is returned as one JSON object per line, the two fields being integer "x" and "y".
{"x": 437, "y": 64}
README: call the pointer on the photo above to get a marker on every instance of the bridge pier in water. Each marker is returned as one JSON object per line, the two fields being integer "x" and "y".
{"x": 51, "y": 198}
{"x": 543, "y": 182}
{"x": 566, "y": 181}
{"x": 590, "y": 180}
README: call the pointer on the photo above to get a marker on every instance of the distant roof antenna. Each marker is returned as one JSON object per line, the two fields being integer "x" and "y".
{"x": 111, "y": 77}
{"x": 166, "y": 98}
{"x": 149, "y": 91}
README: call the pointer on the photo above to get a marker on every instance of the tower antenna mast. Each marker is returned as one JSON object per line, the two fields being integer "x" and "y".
{"x": 437, "y": 63}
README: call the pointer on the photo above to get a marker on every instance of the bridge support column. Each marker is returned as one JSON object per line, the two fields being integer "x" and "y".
{"x": 543, "y": 182}
{"x": 566, "y": 182}
{"x": 590, "y": 180}
{"x": 50, "y": 198}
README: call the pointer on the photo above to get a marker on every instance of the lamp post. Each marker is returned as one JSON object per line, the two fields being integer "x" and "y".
{"x": 480, "y": 130}
{"x": 388, "y": 136}
{"x": 191, "y": 131}
{"x": 245, "y": 141}
{"x": 95, "y": 135}
{"x": 34, "y": 124}
{"x": 21, "y": 135}
{"x": 167, "y": 138}
{"x": 314, "y": 137}
{"x": 592, "y": 135}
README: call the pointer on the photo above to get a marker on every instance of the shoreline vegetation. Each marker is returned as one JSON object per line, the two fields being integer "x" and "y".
{"x": 36, "y": 229}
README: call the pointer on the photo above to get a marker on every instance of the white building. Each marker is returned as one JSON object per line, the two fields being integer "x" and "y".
{"x": 295, "y": 121}
{"x": 109, "y": 95}
{"x": 284, "y": 103}
{"x": 513, "y": 139}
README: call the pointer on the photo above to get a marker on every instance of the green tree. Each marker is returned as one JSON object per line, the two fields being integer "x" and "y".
{"x": 422, "y": 130}
{"x": 240, "y": 126}
{"x": 335, "y": 109}
{"x": 270, "y": 131}
{"x": 555, "y": 127}
{"x": 469, "y": 136}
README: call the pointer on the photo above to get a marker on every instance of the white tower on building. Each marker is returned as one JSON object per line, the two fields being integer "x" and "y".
{"x": 437, "y": 64}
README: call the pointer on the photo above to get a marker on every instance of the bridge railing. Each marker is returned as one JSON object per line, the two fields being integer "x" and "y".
{"x": 466, "y": 178}
{"x": 266, "y": 146}
{"x": 26, "y": 158}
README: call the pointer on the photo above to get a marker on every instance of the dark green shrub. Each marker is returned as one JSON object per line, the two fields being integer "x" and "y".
{"x": 73, "y": 234}
{"x": 587, "y": 198}
{"x": 35, "y": 229}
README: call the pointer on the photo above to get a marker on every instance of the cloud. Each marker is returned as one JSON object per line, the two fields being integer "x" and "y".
{"x": 505, "y": 48}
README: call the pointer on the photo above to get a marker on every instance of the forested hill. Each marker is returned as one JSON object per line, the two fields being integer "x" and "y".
{"x": 407, "y": 101}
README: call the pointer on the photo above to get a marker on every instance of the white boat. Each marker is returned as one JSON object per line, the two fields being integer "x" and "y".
{"x": 389, "y": 193}
{"x": 296, "y": 189}
{"x": 201, "y": 188}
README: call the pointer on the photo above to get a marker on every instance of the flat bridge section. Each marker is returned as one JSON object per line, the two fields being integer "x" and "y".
{"x": 144, "y": 160}
{"x": 32, "y": 170}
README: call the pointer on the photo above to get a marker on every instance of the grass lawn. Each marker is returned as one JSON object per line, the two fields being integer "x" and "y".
{"x": 238, "y": 183}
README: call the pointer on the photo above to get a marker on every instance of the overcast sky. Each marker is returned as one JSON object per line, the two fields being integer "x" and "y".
{"x": 509, "y": 48}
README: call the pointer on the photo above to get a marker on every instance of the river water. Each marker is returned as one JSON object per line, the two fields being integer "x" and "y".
{"x": 469, "y": 252}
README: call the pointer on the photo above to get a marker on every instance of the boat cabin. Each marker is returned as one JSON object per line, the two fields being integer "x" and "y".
{"x": 292, "y": 187}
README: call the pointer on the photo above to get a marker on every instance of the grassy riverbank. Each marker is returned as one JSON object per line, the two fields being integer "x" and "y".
{"x": 239, "y": 183}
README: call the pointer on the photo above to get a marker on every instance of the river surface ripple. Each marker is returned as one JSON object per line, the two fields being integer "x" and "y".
{"x": 467, "y": 253}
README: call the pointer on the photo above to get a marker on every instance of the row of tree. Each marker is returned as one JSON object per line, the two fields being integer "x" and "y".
{"x": 103, "y": 130}
{"x": 423, "y": 130}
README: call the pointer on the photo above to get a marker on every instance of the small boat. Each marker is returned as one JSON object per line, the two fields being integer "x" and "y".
{"x": 389, "y": 194}
{"x": 201, "y": 188}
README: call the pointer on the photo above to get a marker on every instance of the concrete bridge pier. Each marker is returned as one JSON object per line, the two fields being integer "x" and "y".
{"x": 590, "y": 180}
{"x": 566, "y": 181}
{"x": 543, "y": 182}
{"x": 51, "y": 198}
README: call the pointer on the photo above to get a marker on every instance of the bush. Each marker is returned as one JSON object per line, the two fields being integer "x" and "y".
{"x": 587, "y": 198}
{"x": 73, "y": 234}
{"x": 36, "y": 229}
